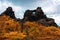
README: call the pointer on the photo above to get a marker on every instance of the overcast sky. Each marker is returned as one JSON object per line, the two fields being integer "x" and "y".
{"x": 50, "y": 7}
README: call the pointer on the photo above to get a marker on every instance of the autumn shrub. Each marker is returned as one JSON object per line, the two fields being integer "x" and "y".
{"x": 11, "y": 30}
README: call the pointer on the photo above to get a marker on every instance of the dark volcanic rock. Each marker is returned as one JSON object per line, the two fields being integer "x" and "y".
{"x": 34, "y": 15}
{"x": 9, "y": 12}
{"x": 47, "y": 22}
{"x": 51, "y": 22}
{"x": 38, "y": 15}
{"x": 31, "y": 15}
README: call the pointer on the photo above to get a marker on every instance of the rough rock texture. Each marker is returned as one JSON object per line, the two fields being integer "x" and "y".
{"x": 31, "y": 15}
{"x": 38, "y": 15}
{"x": 9, "y": 12}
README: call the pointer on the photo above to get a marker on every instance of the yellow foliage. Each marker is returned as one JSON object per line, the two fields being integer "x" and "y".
{"x": 15, "y": 34}
{"x": 32, "y": 30}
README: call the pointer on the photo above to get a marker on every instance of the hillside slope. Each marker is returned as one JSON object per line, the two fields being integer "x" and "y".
{"x": 11, "y": 30}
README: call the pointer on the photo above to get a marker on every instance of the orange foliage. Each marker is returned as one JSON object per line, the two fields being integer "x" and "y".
{"x": 11, "y": 30}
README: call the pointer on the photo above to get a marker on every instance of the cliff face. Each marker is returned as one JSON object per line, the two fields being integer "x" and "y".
{"x": 12, "y": 28}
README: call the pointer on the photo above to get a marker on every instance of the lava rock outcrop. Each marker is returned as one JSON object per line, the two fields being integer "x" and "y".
{"x": 9, "y": 12}
{"x": 32, "y": 15}
{"x": 39, "y": 16}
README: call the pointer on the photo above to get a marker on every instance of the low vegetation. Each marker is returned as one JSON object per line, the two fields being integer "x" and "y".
{"x": 11, "y": 30}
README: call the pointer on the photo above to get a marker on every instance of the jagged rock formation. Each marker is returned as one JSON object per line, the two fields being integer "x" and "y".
{"x": 38, "y": 15}
{"x": 9, "y": 12}
{"x": 32, "y": 15}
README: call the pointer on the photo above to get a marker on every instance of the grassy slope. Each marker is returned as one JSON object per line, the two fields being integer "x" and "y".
{"x": 11, "y": 30}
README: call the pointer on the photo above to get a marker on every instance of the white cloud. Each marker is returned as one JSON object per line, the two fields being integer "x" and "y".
{"x": 16, "y": 9}
{"x": 56, "y": 1}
